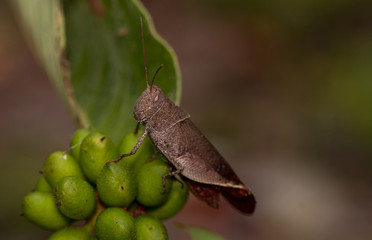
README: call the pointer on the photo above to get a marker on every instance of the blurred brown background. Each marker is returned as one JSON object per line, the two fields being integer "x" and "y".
{"x": 282, "y": 88}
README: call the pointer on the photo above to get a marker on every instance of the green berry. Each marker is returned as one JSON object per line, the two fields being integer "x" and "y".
{"x": 150, "y": 185}
{"x": 148, "y": 227}
{"x": 72, "y": 233}
{"x": 42, "y": 185}
{"x": 117, "y": 184}
{"x": 59, "y": 165}
{"x": 76, "y": 141}
{"x": 75, "y": 198}
{"x": 143, "y": 153}
{"x": 175, "y": 202}
{"x": 115, "y": 223}
{"x": 40, "y": 208}
{"x": 96, "y": 149}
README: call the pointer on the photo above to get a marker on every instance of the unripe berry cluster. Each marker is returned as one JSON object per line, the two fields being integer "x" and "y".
{"x": 121, "y": 200}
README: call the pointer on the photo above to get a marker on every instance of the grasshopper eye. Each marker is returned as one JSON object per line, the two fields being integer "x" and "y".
{"x": 156, "y": 98}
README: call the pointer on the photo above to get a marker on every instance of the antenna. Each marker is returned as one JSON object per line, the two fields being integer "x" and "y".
{"x": 157, "y": 70}
{"x": 144, "y": 53}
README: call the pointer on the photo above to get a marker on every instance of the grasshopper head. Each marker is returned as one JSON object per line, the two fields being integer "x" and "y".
{"x": 148, "y": 103}
{"x": 152, "y": 98}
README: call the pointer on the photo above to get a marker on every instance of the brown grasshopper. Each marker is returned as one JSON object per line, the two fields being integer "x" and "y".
{"x": 176, "y": 137}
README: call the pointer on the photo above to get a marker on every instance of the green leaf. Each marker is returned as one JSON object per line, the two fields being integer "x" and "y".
{"x": 100, "y": 70}
{"x": 199, "y": 233}
{"x": 43, "y": 21}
